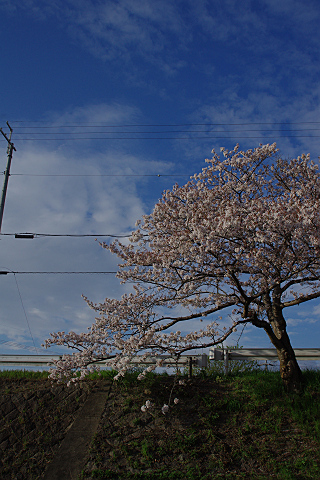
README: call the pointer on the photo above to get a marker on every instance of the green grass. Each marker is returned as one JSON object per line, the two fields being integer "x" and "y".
{"x": 24, "y": 374}
{"x": 242, "y": 427}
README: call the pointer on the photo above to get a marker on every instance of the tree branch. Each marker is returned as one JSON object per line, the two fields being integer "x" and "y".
{"x": 303, "y": 299}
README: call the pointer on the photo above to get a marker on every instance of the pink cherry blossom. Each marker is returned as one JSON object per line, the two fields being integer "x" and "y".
{"x": 165, "y": 409}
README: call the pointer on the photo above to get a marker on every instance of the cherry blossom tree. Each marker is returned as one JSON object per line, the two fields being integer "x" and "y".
{"x": 244, "y": 233}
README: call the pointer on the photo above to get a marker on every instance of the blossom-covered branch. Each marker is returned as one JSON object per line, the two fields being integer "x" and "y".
{"x": 239, "y": 234}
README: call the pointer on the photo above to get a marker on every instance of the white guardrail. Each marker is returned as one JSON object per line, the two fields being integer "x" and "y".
{"x": 47, "y": 360}
{"x": 258, "y": 354}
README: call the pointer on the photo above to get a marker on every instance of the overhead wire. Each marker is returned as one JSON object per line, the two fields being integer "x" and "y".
{"x": 165, "y": 138}
{"x": 23, "y": 308}
{"x": 165, "y": 131}
{"x": 85, "y": 124}
{"x": 95, "y": 175}
{"x": 34, "y": 127}
{"x": 2, "y": 272}
{"x": 67, "y": 235}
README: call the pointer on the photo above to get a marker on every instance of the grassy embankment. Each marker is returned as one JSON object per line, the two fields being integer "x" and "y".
{"x": 240, "y": 426}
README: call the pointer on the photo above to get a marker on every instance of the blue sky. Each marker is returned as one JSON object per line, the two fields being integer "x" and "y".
{"x": 117, "y": 93}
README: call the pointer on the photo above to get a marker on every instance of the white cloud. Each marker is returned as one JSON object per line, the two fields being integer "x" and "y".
{"x": 164, "y": 33}
{"x": 66, "y": 205}
{"x": 100, "y": 113}
{"x": 256, "y": 120}
{"x": 112, "y": 29}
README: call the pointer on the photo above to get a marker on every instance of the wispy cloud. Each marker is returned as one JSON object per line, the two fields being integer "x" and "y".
{"x": 264, "y": 113}
{"x": 100, "y": 113}
{"x": 75, "y": 205}
{"x": 114, "y": 30}
{"x": 167, "y": 35}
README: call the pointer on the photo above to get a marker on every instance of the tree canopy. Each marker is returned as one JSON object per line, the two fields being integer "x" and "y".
{"x": 243, "y": 233}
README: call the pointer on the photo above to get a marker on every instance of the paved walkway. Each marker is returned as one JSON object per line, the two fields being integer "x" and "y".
{"x": 70, "y": 459}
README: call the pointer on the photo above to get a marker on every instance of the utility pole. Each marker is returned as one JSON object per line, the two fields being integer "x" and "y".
{"x": 7, "y": 171}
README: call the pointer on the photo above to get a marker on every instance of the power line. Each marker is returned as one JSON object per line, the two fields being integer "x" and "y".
{"x": 166, "y": 131}
{"x": 66, "y": 235}
{"x": 95, "y": 175}
{"x": 25, "y": 313}
{"x": 24, "y": 310}
{"x": 85, "y": 124}
{"x": 56, "y": 133}
{"x": 2, "y": 272}
{"x": 166, "y": 138}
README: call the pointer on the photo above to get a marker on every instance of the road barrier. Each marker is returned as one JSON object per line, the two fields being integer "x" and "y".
{"x": 167, "y": 361}
{"x": 200, "y": 361}
{"x": 259, "y": 354}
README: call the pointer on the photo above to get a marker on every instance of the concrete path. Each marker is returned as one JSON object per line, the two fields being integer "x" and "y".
{"x": 70, "y": 459}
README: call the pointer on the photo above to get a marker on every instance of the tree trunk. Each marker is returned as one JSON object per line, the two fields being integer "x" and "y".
{"x": 289, "y": 368}
{"x": 276, "y": 330}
